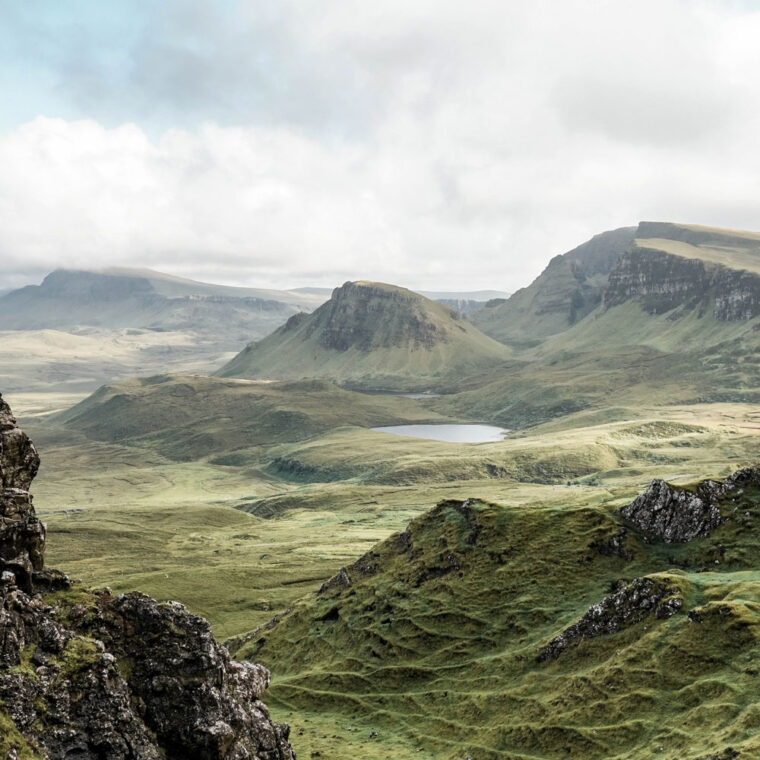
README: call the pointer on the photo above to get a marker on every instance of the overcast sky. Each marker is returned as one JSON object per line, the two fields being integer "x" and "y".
{"x": 436, "y": 144}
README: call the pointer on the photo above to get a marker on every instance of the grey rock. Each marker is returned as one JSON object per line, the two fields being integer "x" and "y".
{"x": 351, "y": 316}
{"x": 113, "y": 678}
{"x": 629, "y": 604}
{"x": 670, "y": 514}
{"x": 674, "y": 515}
{"x": 22, "y": 535}
{"x": 662, "y": 282}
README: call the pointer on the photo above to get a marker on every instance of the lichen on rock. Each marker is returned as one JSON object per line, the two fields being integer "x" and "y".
{"x": 670, "y": 514}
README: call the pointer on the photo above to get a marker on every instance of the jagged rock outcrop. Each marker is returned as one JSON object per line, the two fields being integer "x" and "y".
{"x": 22, "y": 535}
{"x": 629, "y": 604}
{"x": 670, "y": 514}
{"x": 92, "y": 675}
{"x": 675, "y": 515}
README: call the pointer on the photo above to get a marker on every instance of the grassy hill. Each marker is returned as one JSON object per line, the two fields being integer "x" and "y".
{"x": 188, "y": 417}
{"x": 446, "y": 633}
{"x": 372, "y": 335}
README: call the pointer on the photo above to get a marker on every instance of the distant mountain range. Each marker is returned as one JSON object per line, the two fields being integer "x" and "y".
{"x": 653, "y": 300}
{"x": 84, "y": 328}
{"x": 80, "y": 329}
{"x": 142, "y": 298}
{"x": 117, "y": 298}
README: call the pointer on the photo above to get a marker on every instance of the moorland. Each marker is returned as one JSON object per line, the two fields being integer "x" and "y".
{"x": 405, "y": 592}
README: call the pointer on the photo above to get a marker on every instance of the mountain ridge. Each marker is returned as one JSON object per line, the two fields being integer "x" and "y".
{"x": 568, "y": 289}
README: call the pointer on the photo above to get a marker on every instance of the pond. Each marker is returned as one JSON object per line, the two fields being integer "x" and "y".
{"x": 451, "y": 433}
{"x": 402, "y": 394}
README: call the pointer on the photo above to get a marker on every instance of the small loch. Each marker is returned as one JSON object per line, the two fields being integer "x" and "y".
{"x": 451, "y": 433}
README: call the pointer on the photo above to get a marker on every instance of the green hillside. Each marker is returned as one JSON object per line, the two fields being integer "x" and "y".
{"x": 372, "y": 335}
{"x": 447, "y": 635}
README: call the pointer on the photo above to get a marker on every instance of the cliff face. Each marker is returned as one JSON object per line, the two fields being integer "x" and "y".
{"x": 671, "y": 265}
{"x": 662, "y": 281}
{"x": 367, "y": 316}
{"x": 568, "y": 289}
{"x": 92, "y": 675}
{"x": 22, "y": 535}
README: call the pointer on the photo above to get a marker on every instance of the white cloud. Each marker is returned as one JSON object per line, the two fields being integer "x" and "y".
{"x": 433, "y": 144}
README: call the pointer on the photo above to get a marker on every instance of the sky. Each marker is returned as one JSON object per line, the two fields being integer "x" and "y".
{"x": 435, "y": 144}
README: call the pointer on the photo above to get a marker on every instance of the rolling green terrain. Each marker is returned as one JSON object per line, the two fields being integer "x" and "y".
{"x": 242, "y": 497}
{"x": 441, "y": 631}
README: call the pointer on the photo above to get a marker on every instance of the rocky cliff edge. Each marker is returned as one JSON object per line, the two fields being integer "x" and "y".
{"x": 92, "y": 675}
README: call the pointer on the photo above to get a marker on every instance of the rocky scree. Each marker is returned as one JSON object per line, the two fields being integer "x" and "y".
{"x": 92, "y": 675}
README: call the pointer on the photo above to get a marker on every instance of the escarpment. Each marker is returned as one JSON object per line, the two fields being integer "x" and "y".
{"x": 670, "y": 266}
{"x": 92, "y": 675}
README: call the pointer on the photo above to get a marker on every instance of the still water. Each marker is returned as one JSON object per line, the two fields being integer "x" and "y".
{"x": 447, "y": 432}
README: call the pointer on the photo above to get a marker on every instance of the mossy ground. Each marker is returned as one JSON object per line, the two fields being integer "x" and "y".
{"x": 447, "y": 653}
{"x": 11, "y": 739}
